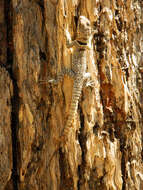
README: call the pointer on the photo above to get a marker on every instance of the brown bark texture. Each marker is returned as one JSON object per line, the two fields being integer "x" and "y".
{"x": 104, "y": 148}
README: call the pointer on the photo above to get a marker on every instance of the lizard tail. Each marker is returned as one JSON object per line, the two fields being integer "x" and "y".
{"x": 77, "y": 88}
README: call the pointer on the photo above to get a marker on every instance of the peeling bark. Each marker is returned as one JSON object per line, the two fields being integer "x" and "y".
{"x": 104, "y": 150}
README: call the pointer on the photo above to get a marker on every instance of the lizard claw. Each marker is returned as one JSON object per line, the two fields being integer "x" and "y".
{"x": 90, "y": 83}
{"x": 52, "y": 81}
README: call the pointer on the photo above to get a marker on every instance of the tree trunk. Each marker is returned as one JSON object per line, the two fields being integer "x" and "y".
{"x": 104, "y": 149}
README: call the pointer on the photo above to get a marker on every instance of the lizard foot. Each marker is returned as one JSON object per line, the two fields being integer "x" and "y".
{"x": 89, "y": 83}
{"x": 53, "y": 81}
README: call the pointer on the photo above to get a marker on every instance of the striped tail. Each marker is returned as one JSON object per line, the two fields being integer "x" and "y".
{"x": 77, "y": 88}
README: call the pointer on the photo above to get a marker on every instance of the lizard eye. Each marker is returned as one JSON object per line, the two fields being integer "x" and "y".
{"x": 87, "y": 24}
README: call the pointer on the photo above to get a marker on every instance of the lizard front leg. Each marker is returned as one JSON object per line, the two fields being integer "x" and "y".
{"x": 74, "y": 43}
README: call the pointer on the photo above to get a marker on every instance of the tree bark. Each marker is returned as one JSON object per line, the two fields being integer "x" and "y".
{"x": 104, "y": 150}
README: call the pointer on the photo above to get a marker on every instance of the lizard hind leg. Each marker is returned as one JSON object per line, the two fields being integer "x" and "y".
{"x": 68, "y": 72}
{"x": 60, "y": 76}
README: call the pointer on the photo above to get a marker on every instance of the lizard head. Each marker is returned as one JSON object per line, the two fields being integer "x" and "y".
{"x": 84, "y": 30}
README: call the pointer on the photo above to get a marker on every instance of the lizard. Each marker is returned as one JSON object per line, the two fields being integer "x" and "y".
{"x": 79, "y": 65}
{"x": 78, "y": 72}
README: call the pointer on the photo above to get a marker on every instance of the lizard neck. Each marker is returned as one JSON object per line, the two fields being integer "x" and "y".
{"x": 82, "y": 46}
{"x": 82, "y": 43}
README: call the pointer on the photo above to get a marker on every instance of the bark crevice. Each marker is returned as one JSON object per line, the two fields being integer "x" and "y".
{"x": 15, "y": 99}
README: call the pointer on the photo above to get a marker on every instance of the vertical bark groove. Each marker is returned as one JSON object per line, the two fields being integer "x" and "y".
{"x": 14, "y": 125}
{"x": 15, "y": 99}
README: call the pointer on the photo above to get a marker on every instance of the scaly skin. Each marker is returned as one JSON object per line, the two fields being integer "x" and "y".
{"x": 79, "y": 69}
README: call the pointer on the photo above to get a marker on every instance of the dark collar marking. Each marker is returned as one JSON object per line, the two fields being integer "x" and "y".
{"x": 82, "y": 43}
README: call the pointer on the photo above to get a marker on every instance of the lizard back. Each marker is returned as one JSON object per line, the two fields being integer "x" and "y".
{"x": 79, "y": 68}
